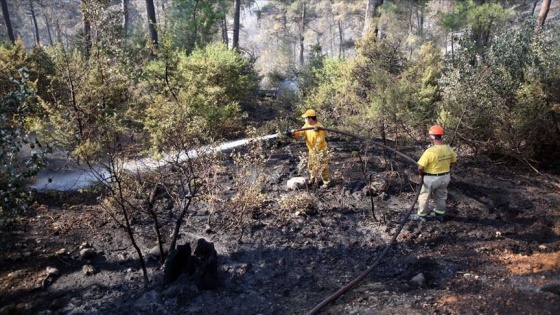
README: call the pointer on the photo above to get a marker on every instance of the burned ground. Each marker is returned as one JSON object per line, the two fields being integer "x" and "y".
{"x": 497, "y": 253}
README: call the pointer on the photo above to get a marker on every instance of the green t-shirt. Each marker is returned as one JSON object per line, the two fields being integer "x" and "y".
{"x": 438, "y": 159}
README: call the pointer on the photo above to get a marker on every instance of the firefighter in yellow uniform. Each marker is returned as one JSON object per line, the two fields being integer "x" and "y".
{"x": 435, "y": 166}
{"x": 316, "y": 141}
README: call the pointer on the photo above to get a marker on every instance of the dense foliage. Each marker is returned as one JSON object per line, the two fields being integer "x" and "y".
{"x": 197, "y": 23}
{"x": 22, "y": 84}
{"x": 507, "y": 102}
{"x": 197, "y": 96}
{"x": 16, "y": 168}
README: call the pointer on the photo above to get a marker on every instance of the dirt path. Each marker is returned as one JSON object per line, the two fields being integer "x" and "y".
{"x": 498, "y": 252}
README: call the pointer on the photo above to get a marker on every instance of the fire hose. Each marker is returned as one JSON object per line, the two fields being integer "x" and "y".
{"x": 352, "y": 283}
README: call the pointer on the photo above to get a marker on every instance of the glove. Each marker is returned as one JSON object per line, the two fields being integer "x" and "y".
{"x": 289, "y": 133}
{"x": 316, "y": 128}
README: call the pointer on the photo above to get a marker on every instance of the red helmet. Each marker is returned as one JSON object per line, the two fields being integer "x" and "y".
{"x": 436, "y": 130}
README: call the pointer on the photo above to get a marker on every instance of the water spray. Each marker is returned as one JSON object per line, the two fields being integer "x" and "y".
{"x": 83, "y": 177}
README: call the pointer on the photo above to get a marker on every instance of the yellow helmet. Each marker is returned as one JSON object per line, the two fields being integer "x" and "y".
{"x": 309, "y": 113}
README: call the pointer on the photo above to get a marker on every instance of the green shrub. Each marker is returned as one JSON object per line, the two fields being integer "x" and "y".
{"x": 16, "y": 167}
{"x": 90, "y": 99}
{"x": 197, "y": 96}
{"x": 507, "y": 102}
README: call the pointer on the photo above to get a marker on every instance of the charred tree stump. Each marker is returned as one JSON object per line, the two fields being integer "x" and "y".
{"x": 176, "y": 262}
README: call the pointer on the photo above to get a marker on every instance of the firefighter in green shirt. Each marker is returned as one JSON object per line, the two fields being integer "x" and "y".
{"x": 434, "y": 166}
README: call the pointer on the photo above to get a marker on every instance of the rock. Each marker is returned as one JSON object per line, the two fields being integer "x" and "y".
{"x": 88, "y": 270}
{"x": 418, "y": 280}
{"x": 85, "y": 245}
{"x": 155, "y": 252}
{"x": 61, "y": 252}
{"x": 87, "y": 253}
{"x": 297, "y": 183}
{"x": 51, "y": 271}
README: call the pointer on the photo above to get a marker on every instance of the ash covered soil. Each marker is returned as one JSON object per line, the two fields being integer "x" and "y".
{"x": 498, "y": 252}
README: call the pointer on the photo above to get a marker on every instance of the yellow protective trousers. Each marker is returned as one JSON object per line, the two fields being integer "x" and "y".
{"x": 318, "y": 164}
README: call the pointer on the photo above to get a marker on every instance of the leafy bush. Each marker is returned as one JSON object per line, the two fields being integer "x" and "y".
{"x": 90, "y": 99}
{"x": 301, "y": 203}
{"x": 38, "y": 67}
{"x": 332, "y": 98}
{"x": 197, "y": 96}
{"x": 15, "y": 167}
{"x": 380, "y": 92}
{"x": 507, "y": 102}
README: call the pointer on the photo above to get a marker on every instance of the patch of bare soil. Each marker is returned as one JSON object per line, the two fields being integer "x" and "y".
{"x": 498, "y": 252}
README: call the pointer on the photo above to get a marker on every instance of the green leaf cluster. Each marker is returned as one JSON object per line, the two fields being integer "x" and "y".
{"x": 197, "y": 96}
{"x": 380, "y": 91}
{"x": 15, "y": 166}
{"x": 38, "y": 67}
{"x": 507, "y": 103}
{"x": 195, "y": 23}
{"x": 23, "y": 85}
{"x": 90, "y": 97}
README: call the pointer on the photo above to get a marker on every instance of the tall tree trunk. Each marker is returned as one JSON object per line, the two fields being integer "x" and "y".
{"x": 225, "y": 38}
{"x": 8, "y": 22}
{"x": 534, "y": 7}
{"x": 58, "y": 32}
{"x": 152, "y": 29}
{"x": 34, "y": 21}
{"x": 545, "y": 6}
{"x": 372, "y": 12}
{"x": 48, "y": 25}
{"x": 420, "y": 20}
{"x": 126, "y": 17}
{"x": 236, "y": 17}
{"x": 301, "y": 32}
{"x": 340, "y": 40}
{"x": 86, "y": 28}
{"x": 192, "y": 44}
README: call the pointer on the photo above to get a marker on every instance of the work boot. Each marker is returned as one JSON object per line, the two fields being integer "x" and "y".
{"x": 415, "y": 217}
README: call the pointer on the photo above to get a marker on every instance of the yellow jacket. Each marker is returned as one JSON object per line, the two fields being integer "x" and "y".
{"x": 315, "y": 140}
